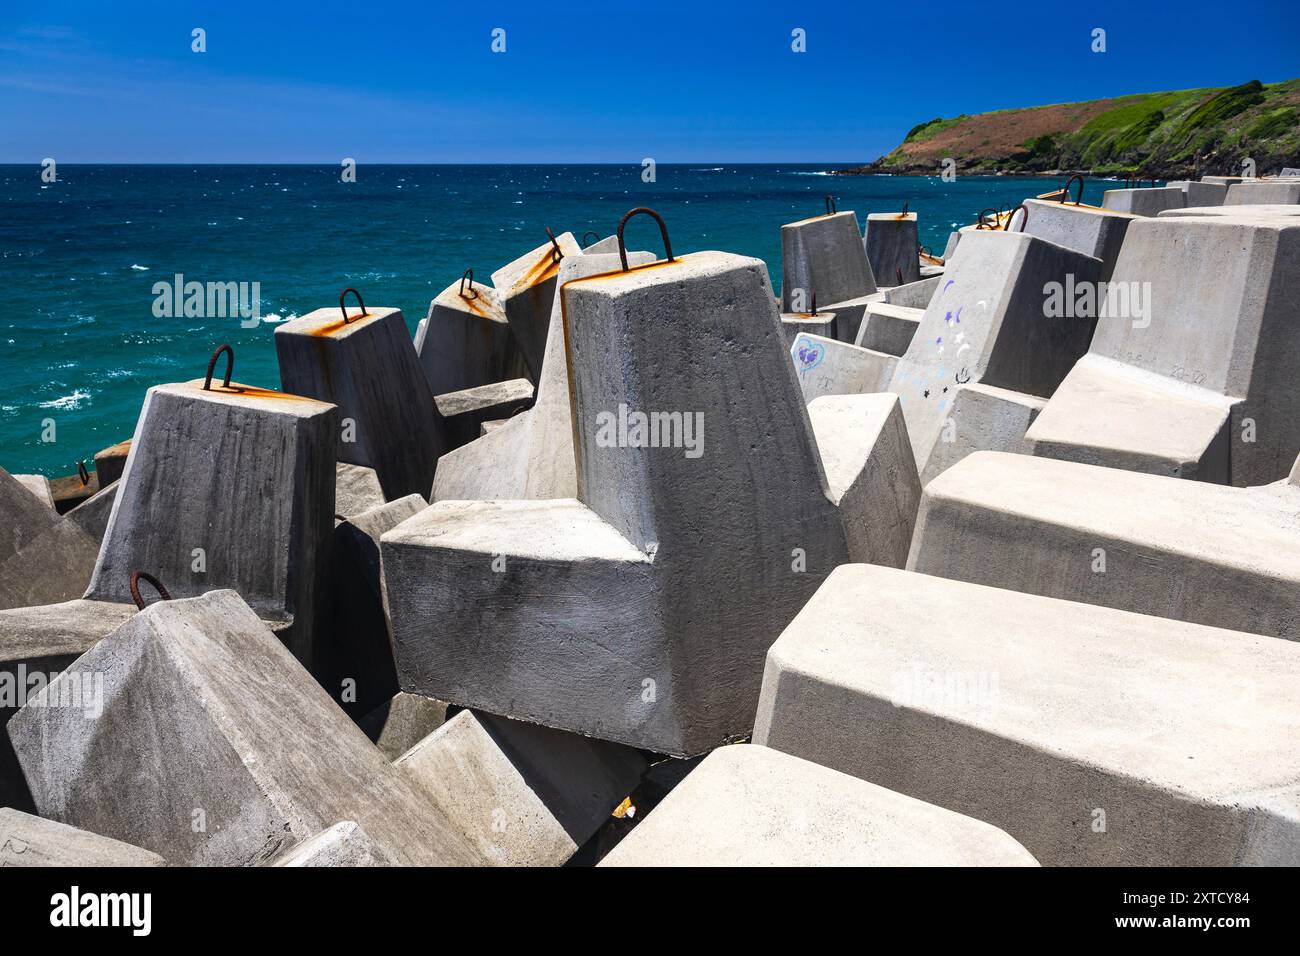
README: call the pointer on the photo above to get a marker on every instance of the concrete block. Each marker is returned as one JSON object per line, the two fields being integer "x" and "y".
{"x": 71, "y": 490}
{"x": 491, "y": 426}
{"x": 344, "y": 844}
{"x": 92, "y": 515}
{"x": 1278, "y": 192}
{"x": 1209, "y": 554}
{"x": 950, "y": 248}
{"x": 244, "y": 474}
{"x": 1200, "y": 194}
{"x": 465, "y": 340}
{"x": 891, "y": 243}
{"x": 870, "y": 471}
{"x": 823, "y": 256}
{"x": 989, "y": 323}
{"x": 1091, "y": 230}
{"x": 204, "y": 710}
{"x": 1144, "y": 202}
{"x": 1172, "y": 389}
{"x": 55, "y": 566}
{"x": 524, "y": 795}
{"x": 356, "y": 489}
{"x": 889, "y": 328}
{"x": 367, "y": 366}
{"x": 463, "y": 413}
{"x": 633, "y": 589}
{"x": 23, "y": 516}
{"x": 39, "y": 486}
{"x": 35, "y": 644}
{"x": 1260, "y": 211}
{"x": 111, "y": 461}
{"x": 913, "y": 295}
{"x": 828, "y": 367}
{"x": 27, "y": 841}
{"x": 397, "y": 725}
{"x": 755, "y": 806}
{"x": 849, "y": 314}
{"x": 985, "y": 418}
{"x": 1222, "y": 180}
{"x": 1032, "y": 714}
{"x": 526, "y": 288}
{"x": 794, "y": 323}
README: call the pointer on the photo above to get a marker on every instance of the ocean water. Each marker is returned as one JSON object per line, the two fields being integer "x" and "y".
{"x": 80, "y": 342}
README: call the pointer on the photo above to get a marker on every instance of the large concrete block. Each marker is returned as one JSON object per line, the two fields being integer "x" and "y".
{"x": 464, "y": 412}
{"x": 1196, "y": 383}
{"x": 28, "y": 841}
{"x": 465, "y": 340}
{"x": 1261, "y": 211}
{"x": 92, "y": 515}
{"x": 364, "y": 363}
{"x": 207, "y": 717}
{"x": 344, "y": 844}
{"x": 913, "y": 295}
{"x": 830, "y": 367}
{"x": 23, "y": 516}
{"x": 36, "y": 643}
{"x": 1144, "y": 202}
{"x": 524, "y": 795}
{"x": 1281, "y": 191}
{"x": 1187, "y": 550}
{"x": 55, "y": 566}
{"x": 985, "y": 418}
{"x": 1199, "y": 194}
{"x": 637, "y": 613}
{"x": 1091, "y": 230}
{"x": 397, "y": 725}
{"x": 794, "y": 323}
{"x": 755, "y": 806}
{"x": 891, "y": 243}
{"x": 823, "y": 256}
{"x": 111, "y": 461}
{"x": 1044, "y": 717}
{"x": 989, "y": 323}
{"x": 526, "y": 288}
{"x": 889, "y": 328}
{"x": 356, "y": 489}
{"x": 39, "y": 486}
{"x": 231, "y": 486}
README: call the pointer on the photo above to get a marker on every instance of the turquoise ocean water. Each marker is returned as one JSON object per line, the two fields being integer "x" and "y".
{"x": 80, "y": 343}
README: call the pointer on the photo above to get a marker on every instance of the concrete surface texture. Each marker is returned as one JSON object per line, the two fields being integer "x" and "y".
{"x": 891, "y": 244}
{"x": 367, "y": 366}
{"x": 1260, "y": 211}
{"x": 1144, "y": 202}
{"x": 23, "y": 516}
{"x": 464, "y": 412}
{"x": 1227, "y": 557}
{"x": 913, "y": 295}
{"x": 344, "y": 844}
{"x": 823, "y": 256}
{"x": 560, "y": 583}
{"x": 1091, "y": 230}
{"x": 53, "y": 566}
{"x": 397, "y": 725}
{"x": 889, "y": 328}
{"x": 214, "y": 746}
{"x": 27, "y": 841}
{"x": 356, "y": 489}
{"x": 793, "y": 323}
{"x": 1196, "y": 382}
{"x": 465, "y": 340}
{"x": 194, "y": 508}
{"x": 988, "y": 323}
{"x": 1282, "y": 191}
{"x": 826, "y": 366}
{"x": 525, "y": 795}
{"x": 1092, "y": 736}
{"x": 39, "y": 486}
{"x": 532, "y": 456}
{"x": 526, "y": 290}
{"x": 754, "y": 806}
{"x": 991, "y": 418}
{"x": 1200, "y": 194}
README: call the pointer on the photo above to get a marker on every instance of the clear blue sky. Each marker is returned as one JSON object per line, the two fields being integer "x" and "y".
{"x": 290, "y": 81}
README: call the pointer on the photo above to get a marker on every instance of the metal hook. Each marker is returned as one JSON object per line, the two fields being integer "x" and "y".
{"x": 663, "y": 231}
{"x": 344, "y": 309}
{"x": 814, "y": 304}
{"x": 832, "y": 207}
{"x": 1065, "y": 191}
{"x": 556, "y": 253}
{"x": 136, "y": 578}
{"x": 212, "y": 364}
{"x": 473, "y": 292}
{"x": 1006, "y": 226}
{"x": 589, "y": 232}
{"x": 982, "y": 223}
{"x": 82, "y": 473}
{"x": 904, "y": 207}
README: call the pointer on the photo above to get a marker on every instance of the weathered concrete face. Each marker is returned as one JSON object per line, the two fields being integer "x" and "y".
{"x": 204, "y": 710}
{"x": 1224, "y": 181}
{"x": 1200, "y": 194}
{"x": 914, "y": 295}
{"x": 244, "y": 474}
{"x": 356, "y": 489}
{"x": 988, "y": 323}
{"x": 110, "y": 462}
{"x": 823, "y": 256}
{"x": 1261, "y": 211}
{"x": 55, "y": 566}
{"x": 369, "y": 369}
{"x": 795, "y": 323}
{"x": 1144, "y": 202}
{"x": 28, "y": 841}
{"x": 1281, "y": 191}
{"x": 985, "y": 418}
{"x": 344, "y": 844}
{"x": 526, "y": 288}
{"x": 1091, "y": 230}
{"x": 1174, "y": 388}
{"x": 39, "y": 486}
{"x": 891, "y": 243}
{"x": 829, "y": 367}
{"x": 889, "y": 328}
{"x": 1031, "y": 713}
{"x": 605, "y": 246}
{"x": 23, "y": 516}
{"x": 465, "y": 340}
{"x": 35, "y": 644}
{"x": 755, "y": 806}
{"x": 399, "y": 724}
{"x": 870, "y": 472}
{"x": 524, "y": 795}
{"x": 532, "y": 457}
{"x": 463, "y": 413}
{"x": 1225, "y": 557}
{"x": 92, "y": 515}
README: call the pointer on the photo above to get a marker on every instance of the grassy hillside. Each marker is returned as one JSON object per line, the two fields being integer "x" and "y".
{"x": 1158, "y": 134}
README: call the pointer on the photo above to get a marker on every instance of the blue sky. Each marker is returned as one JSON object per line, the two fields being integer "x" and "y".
{"x": 97, "y": 81}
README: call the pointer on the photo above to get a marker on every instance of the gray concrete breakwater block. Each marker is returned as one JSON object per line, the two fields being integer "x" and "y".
{"x": 891, "y": 243}
{"x": 526, "y": 289}
{"x": 465, "y": 340}
{"x": 29, "y": 841}
{"x": 823, "y": 256}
